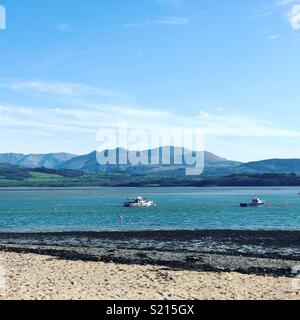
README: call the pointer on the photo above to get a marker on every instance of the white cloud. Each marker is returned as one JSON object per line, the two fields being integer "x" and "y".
{"x": 84, "y": 117}
{"x": 22, "y": 117}
{"x": 203, "y": 114}
{"x": 241, "y": 125}
{"x": 89, "y": 118}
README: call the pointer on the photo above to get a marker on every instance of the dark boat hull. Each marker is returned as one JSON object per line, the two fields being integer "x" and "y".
{"x": 246, "y": 205}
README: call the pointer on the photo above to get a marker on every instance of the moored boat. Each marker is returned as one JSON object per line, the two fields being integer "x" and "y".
{"x": 139, "y": 202}
{"x": 256, "y": 202}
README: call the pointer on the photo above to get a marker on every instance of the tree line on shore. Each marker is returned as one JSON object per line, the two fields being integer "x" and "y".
{"x": 11, "y": 176}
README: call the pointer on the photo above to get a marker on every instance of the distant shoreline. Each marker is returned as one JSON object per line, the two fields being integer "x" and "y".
{"x": 16, "y": 188}
{"x": 178, "y": 233}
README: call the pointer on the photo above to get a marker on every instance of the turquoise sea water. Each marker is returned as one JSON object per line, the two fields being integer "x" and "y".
{"x": 178, "y": 208}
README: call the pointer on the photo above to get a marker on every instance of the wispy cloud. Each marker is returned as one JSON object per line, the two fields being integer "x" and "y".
{"x": 134, "y": 25}
{"x": 174, "y": 3}
{"x": 286, "y": 2}
{"x": 65, "y": 27}
{"x": 241, "y": 125}
{"x": 273, "y": 37}
{"x": 89, "y": 118}
{"x": 84, "y": 117}
{"x": 171, "y": 21}
{"x": 60, "y": 58}
{"x": 61, "y": 88}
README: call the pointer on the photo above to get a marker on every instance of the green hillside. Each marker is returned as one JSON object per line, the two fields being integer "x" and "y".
{"x": 11, "y": 172}
{"x": 13, "y": 176}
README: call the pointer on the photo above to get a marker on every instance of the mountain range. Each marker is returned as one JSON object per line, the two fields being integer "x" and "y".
{"x": 50, "y": 161}
{"x": 214, "y": 165}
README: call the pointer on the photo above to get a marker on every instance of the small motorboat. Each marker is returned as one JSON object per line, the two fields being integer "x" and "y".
{"x": 256, "y": 202}
{"x": 139, "y": 202}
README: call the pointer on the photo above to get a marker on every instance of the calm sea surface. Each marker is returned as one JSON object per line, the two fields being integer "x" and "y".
{"x": 178, "y": 208}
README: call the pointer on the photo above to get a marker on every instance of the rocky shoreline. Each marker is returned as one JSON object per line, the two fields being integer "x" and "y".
{"x": 249, "y": 252}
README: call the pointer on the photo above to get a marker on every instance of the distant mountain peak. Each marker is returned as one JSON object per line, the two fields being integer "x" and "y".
{"x": 157, "y": 160}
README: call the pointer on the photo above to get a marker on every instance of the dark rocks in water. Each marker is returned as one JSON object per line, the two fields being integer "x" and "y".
{"x": 192, "y": 259}
{"x": 171, "y": 260}
{"x": 264, "y": 244}
{"x": 258, "y": 252}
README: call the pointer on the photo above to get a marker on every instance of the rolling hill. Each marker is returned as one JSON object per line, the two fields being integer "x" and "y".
{"x": 11, "y": 172}
{"x": 272, "y": 166}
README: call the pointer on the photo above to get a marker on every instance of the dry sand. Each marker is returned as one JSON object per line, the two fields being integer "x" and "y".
{"x": 30, "y": 276}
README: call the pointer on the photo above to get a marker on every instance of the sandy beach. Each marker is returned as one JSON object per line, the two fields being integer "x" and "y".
{"x": 169, "y": 265}
{"x": 33, "y": 276}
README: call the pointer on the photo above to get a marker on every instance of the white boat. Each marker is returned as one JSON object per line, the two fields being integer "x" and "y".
{"x": 256, "y": 202}
{"x": 139, "y": 202}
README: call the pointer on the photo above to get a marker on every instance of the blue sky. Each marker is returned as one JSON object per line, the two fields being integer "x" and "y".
{"x": 69, "y": 68}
